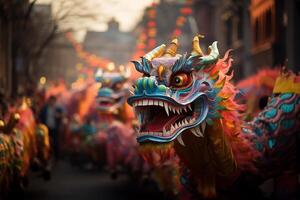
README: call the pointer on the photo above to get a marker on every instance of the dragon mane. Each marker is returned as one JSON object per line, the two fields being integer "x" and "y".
{"x": 231, "y": 112}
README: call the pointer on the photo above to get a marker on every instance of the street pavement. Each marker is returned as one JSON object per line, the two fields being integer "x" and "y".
{"x": 70, "y": 183}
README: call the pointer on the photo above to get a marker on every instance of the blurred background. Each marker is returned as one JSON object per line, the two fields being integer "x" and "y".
{"x": 34, "y": 34}
{"x": 51, "y": 50}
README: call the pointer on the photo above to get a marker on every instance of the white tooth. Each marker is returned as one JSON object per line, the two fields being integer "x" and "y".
{"x": 176, "y": 126}
{"x": 170, "y": 109}
{"x": 161, "y": 103}
{"x": 173, "y": 110}
{"x": 180, "y": 110}
{"x": 164, "y": 130}
{"x": 155, "y": 102}
{"x": 172, "y": 127}
{"x": 199, "y": 131}
{"x": 150, "y": 102}
{"x": 145, "y": 102}
{"x": 166, "y": 108}
{"x": 185, "y": 110}
{"x": 189, "y": 106}
{"x": 166, "y": 133}
{"x": 180, "y": 124}
{"x": 179, "y": 138}
{"x": 185, "y": 121}
{"x": 203, "y": 126}
{"x": 194, "y": 132}
{"x": 177, "y": 110}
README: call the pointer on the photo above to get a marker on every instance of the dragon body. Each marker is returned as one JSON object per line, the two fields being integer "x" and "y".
{"x": 186, "y": 104}
{"x": 22, "y": 145}
{"x": 116, "y": 130}
{"x": 255, "y": 91}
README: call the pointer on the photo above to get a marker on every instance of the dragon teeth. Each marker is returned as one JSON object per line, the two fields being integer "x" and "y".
{"x": 160, "y": 103}
{"x": 172, "y": 127}
{"x": 166, "y": 108}
{"x": 199, "y": 131}
{"x": 203, "y": 126}
{"x": 194, "y": 132}
{"x": 185, "y": 121}
{"x": 145, "y": 102}
{"x": 176, "y": 126}
{"x": 179, "y": 138}
{"x": 150, "y": 102}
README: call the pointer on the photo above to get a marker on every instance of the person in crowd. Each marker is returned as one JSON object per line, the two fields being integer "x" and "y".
{"x": 51, "y": 115}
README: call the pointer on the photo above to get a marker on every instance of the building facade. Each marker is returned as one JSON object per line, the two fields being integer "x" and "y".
{"x": 113, "y": 44}
{"x": 262, "y": 33}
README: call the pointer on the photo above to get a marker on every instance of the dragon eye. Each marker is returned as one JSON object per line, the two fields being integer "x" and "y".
{"x": 181, "y": 79}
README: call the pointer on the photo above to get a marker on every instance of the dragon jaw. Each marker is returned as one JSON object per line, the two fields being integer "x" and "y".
{"x": 164, "y": 114}
{"x": 109, "y": 100}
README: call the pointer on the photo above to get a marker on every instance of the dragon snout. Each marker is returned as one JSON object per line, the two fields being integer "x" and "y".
{"x": 105, "y": 92}
{"x": 149, "y": 86}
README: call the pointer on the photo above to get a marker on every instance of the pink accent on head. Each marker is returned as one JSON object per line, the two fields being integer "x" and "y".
{"x": 166, "y": 61}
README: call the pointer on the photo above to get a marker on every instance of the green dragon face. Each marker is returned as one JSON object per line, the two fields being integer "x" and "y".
{"x": 175, "y": 94}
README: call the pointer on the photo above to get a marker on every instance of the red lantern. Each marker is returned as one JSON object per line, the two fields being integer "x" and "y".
{"x": 151, "y": 43}
{"x": 152, "y": 32}
{"x": 186, "y": 11}
{"x": 151, "y": 24}
{"x": 177, "y": 32}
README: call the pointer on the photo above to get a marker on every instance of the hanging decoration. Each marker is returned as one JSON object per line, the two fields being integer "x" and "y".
{"x": 151, "y": 26}
{"x": 90, "y": 59}
{"x": 185, "y": 12}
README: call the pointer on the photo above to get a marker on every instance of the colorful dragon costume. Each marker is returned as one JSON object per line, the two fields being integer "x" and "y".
{"x": 255, "y": 90}
{"x": 22, "y": 144}
{"x": 187, "y": 103}
{"x": 115, "y": 120}
{"x": 12, "y": 154}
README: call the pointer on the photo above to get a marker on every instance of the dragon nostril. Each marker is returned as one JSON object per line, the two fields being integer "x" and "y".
{"x": 145, "y": 80}
{"x": 149, "y": 85}
{"x": 139, "y": 84}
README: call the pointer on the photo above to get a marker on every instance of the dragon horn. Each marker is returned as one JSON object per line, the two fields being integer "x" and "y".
{"x": 213, "y": 55}
{"x": 172, "y": 48}
{"x": 157, "y": 52}
{"x": 196, "y": 46}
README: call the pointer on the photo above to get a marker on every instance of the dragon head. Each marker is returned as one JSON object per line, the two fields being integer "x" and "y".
{"x": 177, "y": 93}
{"x": 113, "y": 89}
{"x": 188, "y": 102}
